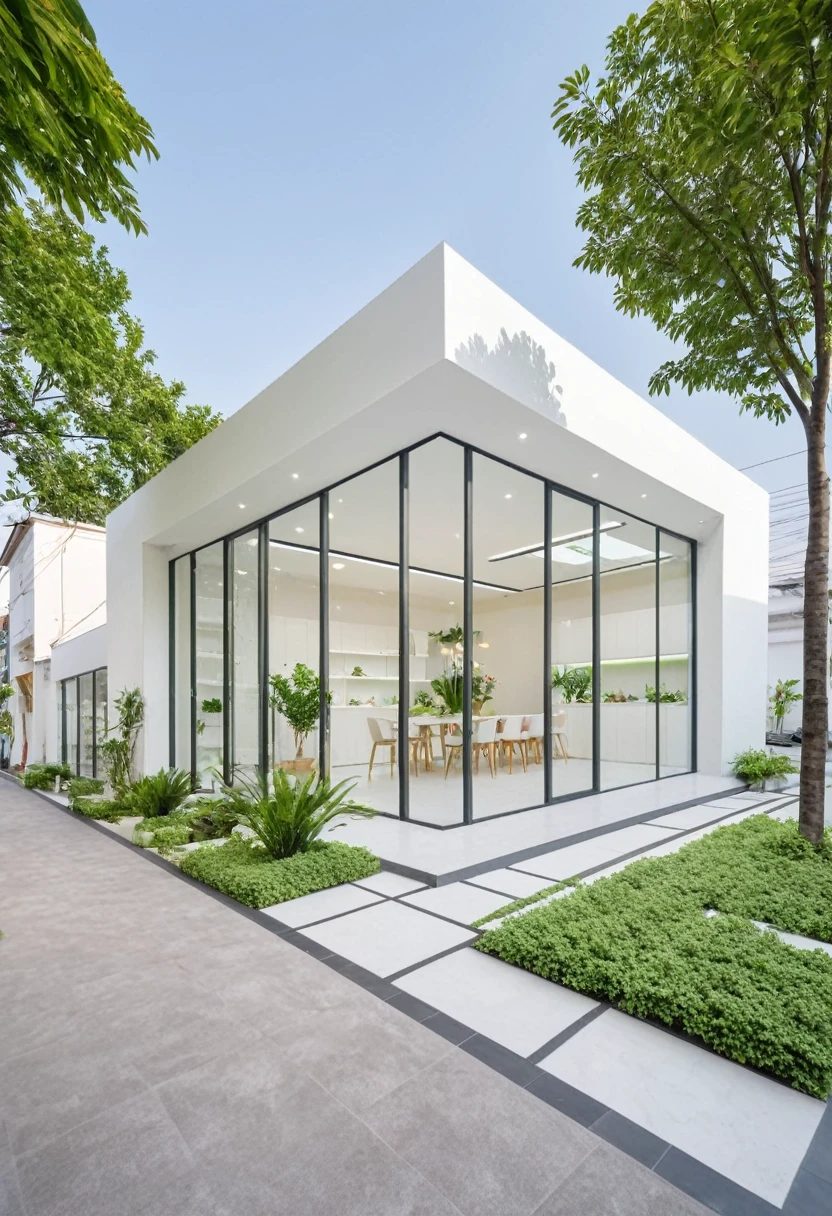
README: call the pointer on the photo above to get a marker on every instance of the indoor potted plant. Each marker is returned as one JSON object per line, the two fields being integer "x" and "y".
{"x": 297, "y": 698}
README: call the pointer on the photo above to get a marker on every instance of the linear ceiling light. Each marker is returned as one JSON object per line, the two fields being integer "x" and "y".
{"x": 368, "y": 561}
{"x": 538, "y": 548}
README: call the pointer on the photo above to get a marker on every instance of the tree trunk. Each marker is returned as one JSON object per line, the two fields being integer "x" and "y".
{"x": 815, "y": 630}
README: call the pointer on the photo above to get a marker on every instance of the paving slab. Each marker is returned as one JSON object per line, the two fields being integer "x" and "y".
{"x": 321, "y": 904}
{"x": 388, "y": 937}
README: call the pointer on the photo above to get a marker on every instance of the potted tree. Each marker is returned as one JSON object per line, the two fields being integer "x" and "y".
{"x": 297, "y": 698}
{"x": 781, "y": 701}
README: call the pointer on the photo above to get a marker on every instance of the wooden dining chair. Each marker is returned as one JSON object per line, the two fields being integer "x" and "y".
{"x": 511, "y": 736}
{"x": 379, "y": 728}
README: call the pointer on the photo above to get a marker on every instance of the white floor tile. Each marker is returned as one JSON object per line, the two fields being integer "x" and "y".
{"x": 388, "y": 883}
{"x": 510, "y": 883}
{"x": 564, "y": 863}
{"x": 795, "y": 939}
{"x": 785, "y": 812}
{"x": 511, "y": 1006}
{"x": 637, "y": 836}
{"x": 547, "y": 899}
{"x": 320, "y": 904}
{"x": 388, "y": 937}
{"x": 736, "y": 1121}
{"x": 691, "y": 817}
{"x": 458, "y": 901}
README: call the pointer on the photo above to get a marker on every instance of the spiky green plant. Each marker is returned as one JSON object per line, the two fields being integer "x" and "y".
{"x": 159, "y": 794}
{"x": 286, "y": 814}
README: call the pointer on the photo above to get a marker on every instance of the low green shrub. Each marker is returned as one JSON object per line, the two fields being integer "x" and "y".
{"x": 171, "y": 835}
{"x": 42, "y": 776}
{"x": 758, "y": 766}
{"x": 208, "y": 820}
{"x": 247, "y": 873}
{"x": 79, "y": 787}
{"x": 525, "y": 902}
{"x": 93, "y": 806}
{"x": 640, "y": 939}
{"x": 160, "y": 793}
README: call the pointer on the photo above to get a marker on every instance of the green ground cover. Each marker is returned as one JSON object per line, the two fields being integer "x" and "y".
{"x": 248, "y": 874}
{"x": 640, "y": 939}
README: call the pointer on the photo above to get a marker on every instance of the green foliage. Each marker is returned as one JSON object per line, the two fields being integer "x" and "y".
{"x": 80, "y": 786}
{"x": 212, "y": 705}
{"x": 94, "y": 806}
{"x": 525, "y": 902}
{"x": 6, "y": 691}
{"x": 170, "y": 836}
{"x": 298, "y": 699}
{"x": 666, "y": 697}
{"x": 247, "y": 873}
{"x": 640, "y": 939}
{"x": 286, "y": 814}
{"x": 159, "y": 794}
{"x": 42, "y": 776}
{"x": 575, "y": 683}
{"x": 782, "y": 699}
{"x": 482, "y": 686}
{"x": 755, "y": 766}
{"x": 449, "y": 689}
{"x": 84, "y": 416}
{"x": 118, "y": 752}
{"x": 66, "y": 123}
{"x": 210, "y": 819}
{"x": 7, "y": 723}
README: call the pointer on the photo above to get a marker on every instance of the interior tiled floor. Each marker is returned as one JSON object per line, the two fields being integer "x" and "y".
{"x": 748, "y": 1128}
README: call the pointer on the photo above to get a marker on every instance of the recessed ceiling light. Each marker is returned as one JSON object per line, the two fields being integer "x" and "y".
{"x": 595, "y": 474}
{"x": 340, "y": 500}
{"x": 522, "y": 435}
{"x": 451, "y": 602}
{"x": 298, "y": 529}
{"x": 337, "y": 565}
{"x": 331, "y": 516}
{"x": 507, "y": 496}
{"x": 295, "y": 476}
{"x": 381, "y": 593}
{"x": 337, "y": 607}
{"x": 644, "y": 496}
{"x": 252, "y": 542}
{"x": 241, "y": 505}
{"x": 456, "y": 536}
{"x": 277, "y": 568}
{"x": 483, "y": 645}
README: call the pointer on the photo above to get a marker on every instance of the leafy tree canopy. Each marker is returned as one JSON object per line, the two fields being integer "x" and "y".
{"x": 705, "y": 148}
{"x": 65, "y": 122}
{"x": 83, "y": 414}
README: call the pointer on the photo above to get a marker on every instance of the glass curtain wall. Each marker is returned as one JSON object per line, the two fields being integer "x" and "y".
{"x": 571, "y": 645}
{"x": 71, "y": 724}
{"x": 208, "y": 663}
{"x": 86, "y": 725}
{"x": 294, "y": 632}
{"x": 100, "y": 677}
{"x": 245, "y": 655}
{"x": 555, "y": 593}
{"x": 82, "y": 721}
{"x": 508, "y": 545}
{"x": 676, "y": 647}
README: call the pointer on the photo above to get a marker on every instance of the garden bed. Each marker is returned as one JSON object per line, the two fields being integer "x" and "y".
{"x": 248, "y": 874}
{"x": 641, "y": 940}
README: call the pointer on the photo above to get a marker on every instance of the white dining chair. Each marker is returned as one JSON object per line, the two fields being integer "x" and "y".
{"x": 559, "y": 737}
{"x": 511, "y": 736}
{"x": 382, "y": 735}
{"x": 484, "y": 739}
{"x": 534, "y": 735}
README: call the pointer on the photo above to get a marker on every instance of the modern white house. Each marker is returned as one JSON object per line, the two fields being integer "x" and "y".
{"x": 57, "y": 651}
{"x": 445, "y": 490}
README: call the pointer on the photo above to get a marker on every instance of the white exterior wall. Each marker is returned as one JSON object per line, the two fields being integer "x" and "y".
{"x": 401, "y": 370}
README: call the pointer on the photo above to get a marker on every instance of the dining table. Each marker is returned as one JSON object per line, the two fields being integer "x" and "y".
{"x": 425, "y": 722}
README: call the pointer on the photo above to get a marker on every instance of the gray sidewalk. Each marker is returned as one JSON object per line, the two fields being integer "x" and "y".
{"x": 160, "y": 1053}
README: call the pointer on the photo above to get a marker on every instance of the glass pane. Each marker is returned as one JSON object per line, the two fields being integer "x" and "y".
{"x": 364, "y": 635}
{"x": 71, "y": 694}
{"x": 210, "y": 584}
{"x": 675, "y": 640}
{"x": 100, "y": 715}
{"x": 86, "y": 721}
{"x": 571, "y": 646}
{"x": 294, "y": 614}
{"x": 508, "y": 547}
{"x": 182, "y": 661}
{"x": 628, "y": 649}
{"x": 60, "y": 691}
{"x": 437, "y": 489}
{"x": 245, "y": 676}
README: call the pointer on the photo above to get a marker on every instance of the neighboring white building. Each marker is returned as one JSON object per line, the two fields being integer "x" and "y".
{"x": 785, "y": 645}
{"x": 57, "y": 595}
{"x": 446, "y": 429}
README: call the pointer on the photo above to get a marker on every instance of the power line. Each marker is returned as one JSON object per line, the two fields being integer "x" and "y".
{"x": 773, "y": 460}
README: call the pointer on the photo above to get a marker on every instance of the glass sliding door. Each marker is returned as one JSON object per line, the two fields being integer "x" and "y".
{"x": 71, "y": 723}
{"x": 364, "y": 636}
{"x": 675, "y": 664}
{"x": 571, "y": 645}
{"x": 628, "y": 649}
{"x": 245, "y": 672}
{"x": 209, "y": 657}
{"x": 86, "y": 725}
{"x": 507, "y": 645}
{"x": 100, "y": 677}
{"x": 61, "y": 751}
{"x": 294, "y": 624}
{"x": 181, "y": 660}
{"x": 436, "y": 610}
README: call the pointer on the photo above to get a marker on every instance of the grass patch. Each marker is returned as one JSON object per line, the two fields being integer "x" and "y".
{"x": 94, "y": 806}
{"x": 640, "y": 940}
{"x": 525, "y": 902}
{"x": 246, "y": 872}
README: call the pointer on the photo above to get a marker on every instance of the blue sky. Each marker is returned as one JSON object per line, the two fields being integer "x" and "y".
{"x": 311, "y": 152}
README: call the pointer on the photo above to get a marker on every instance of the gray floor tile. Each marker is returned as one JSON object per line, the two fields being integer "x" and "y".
{"x": 608, "y": 1183}
{"x": 321, "y": 904}
{"x": 11, "y": 1200}
{"x": 510, "y": 882}
{"x": 738, "y": 1122}
{"x": 473, "y": 1133}
{"x": 458, "y": 901}
{"x": 387, "y": 937}
{"x": 515, "y": 1008}
{"x": 390, "y": 884}
{"x": 133, "y": 1152}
